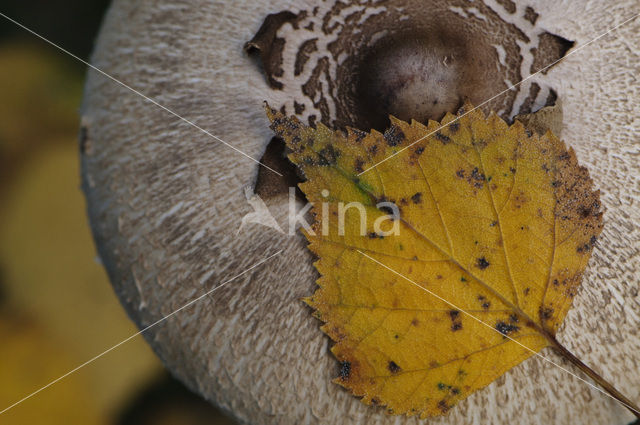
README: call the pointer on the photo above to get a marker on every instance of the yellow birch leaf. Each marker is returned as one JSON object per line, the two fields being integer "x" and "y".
{"x": 494, "y": 230}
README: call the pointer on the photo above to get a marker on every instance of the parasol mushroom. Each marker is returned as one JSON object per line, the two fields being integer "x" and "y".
{"x": 165, "y": 201}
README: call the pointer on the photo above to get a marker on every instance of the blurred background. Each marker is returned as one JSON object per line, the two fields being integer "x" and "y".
{"x": 57, "y": 309}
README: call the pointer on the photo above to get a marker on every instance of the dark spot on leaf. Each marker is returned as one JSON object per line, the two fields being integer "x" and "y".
{"x": 442, "y": 138}
{"x": 493, "y": 223}
{"x": 477, "y": 178}
{"x": 454, "y": 126}
{"x": 545, "y": 312}
{"x": 454, "y": 314}
{"x": 460, "y": 173}
{"x": 419, "y": 150}
{"x": 393, "y": 367}
{"x": 441, "y": 386}
{"x": 386, "y": 209}
{"x": 455, "y": 391}
{"x": 506, "y": 328}
{"x": 417, "y": 198}
{"x": 359, "y": 134}
{"x": 463, "y": 279}
{"x": 527, "y": 290}
{"x": 358, "y": 165}
{"x": 477, "y": 175}
{"x": 394, "y": 136}
{"x": 373, "y": 149}
{"x": 456, "y": 326}
{"x": 329, "y": 154}
{"x": 345, "y": 370}
{"x": 482, "y": 263}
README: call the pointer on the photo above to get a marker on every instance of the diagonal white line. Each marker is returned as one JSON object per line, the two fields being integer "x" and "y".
{"x": 138, "y": 333}
{"x": 139, "y": 94}
{"x": 576, "y": 50}
{"x": 495, "y": 330}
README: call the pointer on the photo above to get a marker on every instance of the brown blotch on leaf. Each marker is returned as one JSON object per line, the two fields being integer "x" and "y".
{"x": 417, "y": 198}
{"x": 443, "y": 406}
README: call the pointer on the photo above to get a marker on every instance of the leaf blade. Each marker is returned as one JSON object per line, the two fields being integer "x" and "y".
{"x": 482, "y": 223}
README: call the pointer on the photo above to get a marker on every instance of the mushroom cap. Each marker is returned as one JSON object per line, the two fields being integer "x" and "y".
{"x": 165, "y": 202}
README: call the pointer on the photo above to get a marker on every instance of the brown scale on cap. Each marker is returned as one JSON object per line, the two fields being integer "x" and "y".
{"x": 354, "y": 63}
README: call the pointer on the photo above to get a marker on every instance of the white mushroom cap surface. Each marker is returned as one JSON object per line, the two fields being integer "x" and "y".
{"x": 165, "y": 203}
